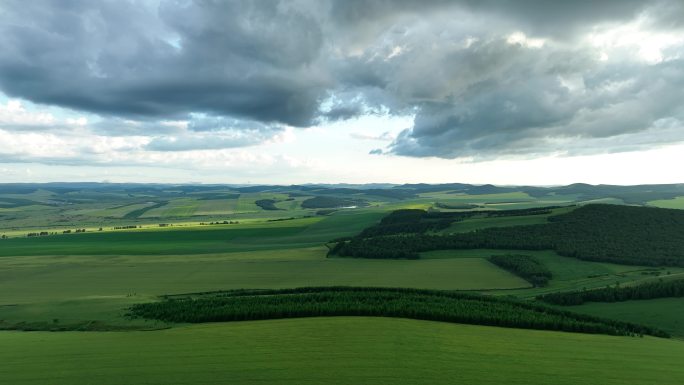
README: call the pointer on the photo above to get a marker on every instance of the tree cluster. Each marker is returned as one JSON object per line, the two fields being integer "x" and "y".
{"x": 125, "y": 227}
{"x": 40, "y": 234}
{"x": 219, "y": 223}
{"x": 527, "y": 267}
{"x": 267, "y": 204}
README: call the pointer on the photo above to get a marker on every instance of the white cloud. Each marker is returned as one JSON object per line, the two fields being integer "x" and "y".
{"x": 522, "y": 39}
{"x": 14, "y": 113}
{"x": 635, "y": 40}
{"x": 385, "y": 136}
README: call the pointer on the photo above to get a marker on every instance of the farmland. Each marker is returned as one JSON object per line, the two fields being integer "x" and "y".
{"x": 140, "y": 245}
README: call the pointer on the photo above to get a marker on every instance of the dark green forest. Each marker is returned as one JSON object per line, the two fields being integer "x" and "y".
{"x": 456, "y": 307}
{"x": 527, "y": 267}
{"x": 267, "y": 204}
{"x": 608, "y": 233}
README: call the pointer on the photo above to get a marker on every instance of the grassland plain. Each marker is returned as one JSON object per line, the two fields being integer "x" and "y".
{"x": 29, "y": 279}
{"x": 338, "y": 350}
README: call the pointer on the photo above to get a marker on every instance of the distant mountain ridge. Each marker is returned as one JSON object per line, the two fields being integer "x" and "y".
{"x": 636, "y": 194}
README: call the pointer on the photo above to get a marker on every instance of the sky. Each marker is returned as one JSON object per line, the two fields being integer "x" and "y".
{"x": 506, "y": 92}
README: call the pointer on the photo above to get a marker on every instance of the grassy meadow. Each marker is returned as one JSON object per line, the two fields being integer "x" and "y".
{"x": 568, "y": 273}
{"x": 338, "y": 350}
{"x": 674, "y": 203}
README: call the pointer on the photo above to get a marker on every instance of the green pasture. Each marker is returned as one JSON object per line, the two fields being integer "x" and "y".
{"x": 340, "y": 350}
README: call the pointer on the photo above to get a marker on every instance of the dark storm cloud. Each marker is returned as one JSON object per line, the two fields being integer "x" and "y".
{"x": 540, "y": 17}
{"x": 482, "y": 78}
{"x": 519, "y": 112}
{"x": 482, "y": 92}
{"x": 245, "y": 59}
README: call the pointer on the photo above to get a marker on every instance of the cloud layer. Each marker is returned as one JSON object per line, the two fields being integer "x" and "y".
{"x": 482, "y": 79}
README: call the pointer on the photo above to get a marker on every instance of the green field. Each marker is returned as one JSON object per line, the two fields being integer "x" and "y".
{"x": 568, "y": 273}
{"x": 676, "y": 203}
{"x": 216, "y": 207}
{"x": 96, "y": 288}
{"x": 247, "y": 236}
{"x": 26, "y": 279}
{"x": 339, "y": 350}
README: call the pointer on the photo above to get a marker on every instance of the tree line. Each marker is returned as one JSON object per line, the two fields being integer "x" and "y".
{"x": 649, "y": 290}
{"x": 405, "y": 303}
